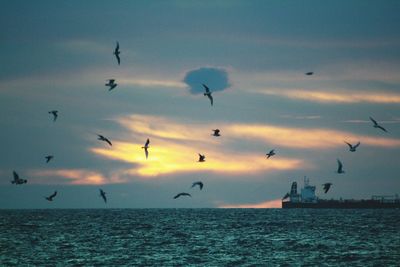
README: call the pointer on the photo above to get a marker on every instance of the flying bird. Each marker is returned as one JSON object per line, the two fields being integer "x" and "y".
{"x": 340, "y": 167}
{"x": 182, "y": 194}
{"x": 54, "y": 113}
{"x": 102, "y": 138}
{"x": 111, "y": 83}
{"x": 48, "y": 158}
{"x": 146, "y": 147}
{"x": 326, "y": 187}
{"x": 18, "y": 180}
{"x": 376, "y": 125}
{"x": 351, "y": 147}
{"x": 216, "y": 132}
{"x": 50, "y": 198}
{"x": 117, "y": 52}
{"x": 202, "y": 158}
{"x": 208, "y": 93}
{"x": 309, "y": 73}
{"x": 103, "y": 195}
{"x": 270, "y": 154}
{"x": 199, "y": 183}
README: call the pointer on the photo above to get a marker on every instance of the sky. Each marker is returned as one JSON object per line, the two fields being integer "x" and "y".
{"x": 253, "y": 55}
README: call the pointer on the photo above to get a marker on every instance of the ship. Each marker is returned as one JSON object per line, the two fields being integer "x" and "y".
{"x": 308, "y": 199}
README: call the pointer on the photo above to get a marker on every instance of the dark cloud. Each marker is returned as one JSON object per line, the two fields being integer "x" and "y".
{"x": 215, "y": 78}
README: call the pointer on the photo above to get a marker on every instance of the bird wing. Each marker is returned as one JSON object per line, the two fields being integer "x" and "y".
{"x": 211, "y": 98}
{"x": 54, "y": 194}
{"x": 374, "y": 121}
{"x": 118, "y": 59}
{"x": 348, "y": 144}
{"x": 201, "y": 185}
{"x": 108, "y": 141}
{"x": 178, "y": 195}
{"x": 147, "y": 142}
{"x": 340, "y": 165}
{"x": 205, "y": 87}
{"x": 146, "y": 152}
{"x": 117, "y": 47}
{"x": 356, "y": 145}
{"x": 380, "y": 127}
{"x": 16, "y": 177}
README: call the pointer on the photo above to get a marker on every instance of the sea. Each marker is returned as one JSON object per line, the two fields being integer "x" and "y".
{"x": 200, "y": 237}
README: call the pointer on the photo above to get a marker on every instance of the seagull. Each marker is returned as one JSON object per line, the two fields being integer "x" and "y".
{"x": 309, "y": 73}
{"x": 216, "y": 132}
{"x": 111, "y": 83}
{"x": 270, "y": 154}
{"x": 182, "y": 194}
{"x": 18, "y": 180}
{"x": 102, "y": 138}
{"x": 199, "y": 183}
{"x": 202, "y": 158}
{"x": 340, "y": 167}
{"x": 326, "y": 187}
{"x": 48, "y": 158}
{"x": 208, "y": 93}
{"x": 351, "y": 147}
{"x": 103, "y": 195}
{"x": 376, "y": 125}
{"x": 50, "y": 198}
{"x": 117, "y": 52}
{"x": 146, "y": 147}
{"x": 55, "y": 114}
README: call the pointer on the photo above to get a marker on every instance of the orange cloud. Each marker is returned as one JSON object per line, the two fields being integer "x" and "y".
{"x": 337, "y": 96}
{"x": 75, "y": 177}
{"x": 270, "y": 204}
{"x": 311, "y": 138}
{"x": 174, "y": 148}
{"x": 167, "y": 157}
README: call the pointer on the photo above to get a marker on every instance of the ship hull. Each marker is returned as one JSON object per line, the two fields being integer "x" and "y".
{"x": 335, "y": 204}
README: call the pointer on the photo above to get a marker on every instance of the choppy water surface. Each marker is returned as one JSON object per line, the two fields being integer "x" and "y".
{"x": 200, "y": 237}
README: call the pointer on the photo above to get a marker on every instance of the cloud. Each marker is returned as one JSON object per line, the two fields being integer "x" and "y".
{"x": 270, "y": 204}
{"x": 310, "y": 138}
{"x": 74, "y": 176}
{"x": 215, "y": 78}
{"x": 174, "y": 148}
{"x": 344, "y": 97}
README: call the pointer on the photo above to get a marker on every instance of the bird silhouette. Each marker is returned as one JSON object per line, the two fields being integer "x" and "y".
{"x": 117, "y": 52}
{"x": 351, "y": 147}
{"x": 102, "y": 138}
{"x": 146, "y": 147}
{"x": 199, "y": 183}
{"x": 17, "y": 180}
{"x": 216, "y": 132}
{"x": 326, "y": 187}
{"x": 340, "y": 167}
{"x": 376, "y": 125}
{"x": 54, "y": 113}
{"x": 270, "y": 154}
{"x": 103, "y": 195}
{"x": 111, "y": 83}
{"x": 182, "y": 194}
{"x": 50, "y": 198}
{"x": 208, "y": 93}
{"x": 202, "y": 158}
{"x": 48, "y": 158}
{"x": 309, "y": 73}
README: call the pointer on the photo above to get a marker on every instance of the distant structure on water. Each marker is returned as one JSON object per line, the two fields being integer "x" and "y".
{"x": 308, "y": 199}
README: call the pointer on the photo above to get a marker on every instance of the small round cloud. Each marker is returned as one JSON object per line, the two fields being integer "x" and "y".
{"x": 215, "y": 78}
